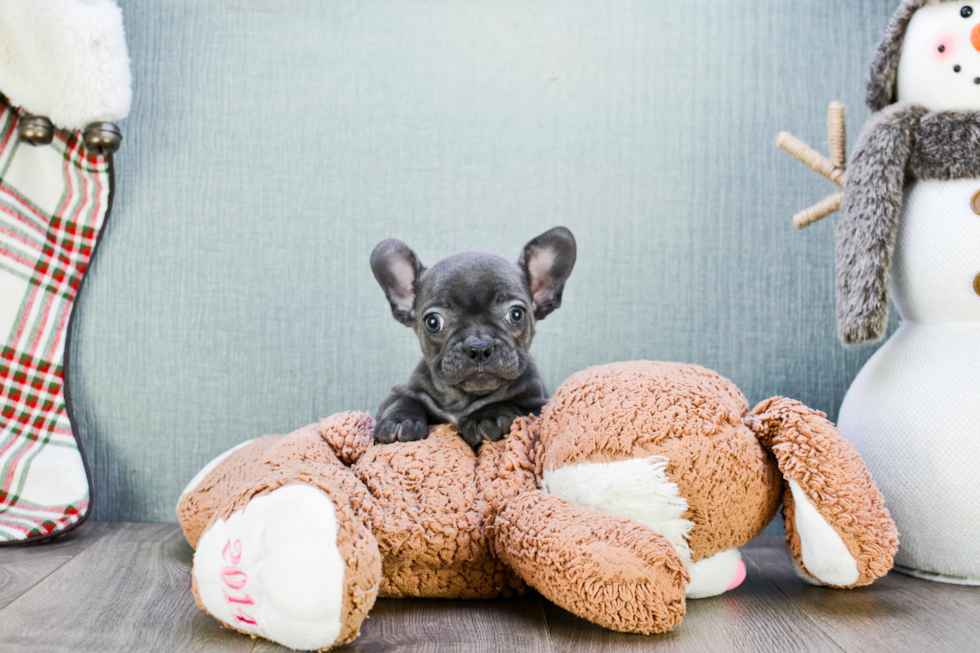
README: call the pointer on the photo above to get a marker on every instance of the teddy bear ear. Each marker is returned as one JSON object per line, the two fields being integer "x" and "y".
{"x": 884, "y": 66}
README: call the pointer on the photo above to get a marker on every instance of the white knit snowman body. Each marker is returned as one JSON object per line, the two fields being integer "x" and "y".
{"x": 913, "y": 412}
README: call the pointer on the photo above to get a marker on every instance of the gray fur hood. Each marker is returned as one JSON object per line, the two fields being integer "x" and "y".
{"x": 884, "y": 66}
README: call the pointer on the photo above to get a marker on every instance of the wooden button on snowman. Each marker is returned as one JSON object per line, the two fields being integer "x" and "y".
{"x": 909, "y": 226}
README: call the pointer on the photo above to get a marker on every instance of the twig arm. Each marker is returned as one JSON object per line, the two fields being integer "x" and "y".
{"x": 837, "y": 135}
{"x": 816, "y": 161}
{"x": 818, "y": 211}
{"x": 833, "y": 167}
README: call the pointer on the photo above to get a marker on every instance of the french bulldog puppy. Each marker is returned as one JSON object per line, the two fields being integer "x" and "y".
{"x": 474, "y": 315}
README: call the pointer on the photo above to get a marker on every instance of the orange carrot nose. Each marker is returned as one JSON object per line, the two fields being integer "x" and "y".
{"x": 975, "y": 36}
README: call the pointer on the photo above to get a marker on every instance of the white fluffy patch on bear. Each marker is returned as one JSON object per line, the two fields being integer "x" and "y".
{"x": 798, "y": 571}
{"x": 274, "y": 569}
{"x": 712, "y": 576}
{"x": 824, "y": 553}
{"x": 211, "y": 465}
{"x": 636, "y": 489}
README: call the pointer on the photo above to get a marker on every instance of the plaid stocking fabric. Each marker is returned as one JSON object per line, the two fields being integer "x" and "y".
{"x": 54, "y": 200}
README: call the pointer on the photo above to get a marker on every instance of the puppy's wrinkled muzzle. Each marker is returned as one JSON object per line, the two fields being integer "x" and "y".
{"x": 480, "y": 366}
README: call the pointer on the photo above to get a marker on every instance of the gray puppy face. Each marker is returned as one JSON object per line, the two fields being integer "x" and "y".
{"x": 474, "y": 321}
{"x": 474, "y": 314}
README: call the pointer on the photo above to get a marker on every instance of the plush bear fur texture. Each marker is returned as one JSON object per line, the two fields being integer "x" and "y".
{"x": 436, "y": 519}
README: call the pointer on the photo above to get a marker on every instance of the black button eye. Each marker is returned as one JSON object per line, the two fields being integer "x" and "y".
{"x": 434, "y": 323}
{"x": 966, "y": 12}
{"x": 516, "y": 316}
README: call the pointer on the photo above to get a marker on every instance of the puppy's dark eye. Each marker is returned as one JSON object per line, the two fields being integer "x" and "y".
{"x": 434, "y": 323}
{"x": 966, "y": 12}
{"x": 516, "y": 316}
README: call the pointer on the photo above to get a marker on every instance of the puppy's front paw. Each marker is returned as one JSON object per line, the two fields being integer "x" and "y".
{"x": 393, "y": 430}
{"x": 485, "y": 429}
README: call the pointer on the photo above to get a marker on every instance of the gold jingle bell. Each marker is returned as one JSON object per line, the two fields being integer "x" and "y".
{"x": 36, "y": 130}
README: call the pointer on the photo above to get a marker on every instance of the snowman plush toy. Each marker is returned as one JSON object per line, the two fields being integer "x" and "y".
{"x": 910, "y": 223}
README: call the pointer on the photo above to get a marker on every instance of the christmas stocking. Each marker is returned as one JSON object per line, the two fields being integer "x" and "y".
{"x": 64, "y": 64}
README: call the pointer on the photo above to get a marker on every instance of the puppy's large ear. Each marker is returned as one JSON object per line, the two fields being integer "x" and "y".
{"x": 547, "y": 262}
{"x": 397, "y": 269}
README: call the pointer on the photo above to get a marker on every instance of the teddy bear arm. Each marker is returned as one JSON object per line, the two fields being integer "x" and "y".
{"x": 838, "y": 529}
{"x": 340, "y": 439}
{"x": 216, "y": 481}
{"x": 288, "y": 557}
{"x": 609, "y": 570}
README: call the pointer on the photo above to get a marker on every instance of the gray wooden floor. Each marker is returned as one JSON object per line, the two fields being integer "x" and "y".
{"x": 126, "y": 587}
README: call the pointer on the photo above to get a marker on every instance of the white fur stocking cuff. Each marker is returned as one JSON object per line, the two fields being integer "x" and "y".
{"x": 65, "y": 60}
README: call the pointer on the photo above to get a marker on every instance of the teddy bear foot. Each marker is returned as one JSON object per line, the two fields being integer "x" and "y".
{"x": 716, "y": 575}
{"x": 274, "y": 569}
{"x": 612, "y": 571}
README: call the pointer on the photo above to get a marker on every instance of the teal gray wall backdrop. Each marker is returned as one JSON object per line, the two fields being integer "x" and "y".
{"x": 272, "y": 144}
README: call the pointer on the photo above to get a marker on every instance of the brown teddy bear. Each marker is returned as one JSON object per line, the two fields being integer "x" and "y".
{"x": 631, "y": 493}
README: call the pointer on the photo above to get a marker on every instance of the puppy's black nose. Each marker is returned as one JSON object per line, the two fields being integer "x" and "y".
{"x": 481, "y": 351}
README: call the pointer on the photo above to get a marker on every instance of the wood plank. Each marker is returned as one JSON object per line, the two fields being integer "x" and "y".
{"x": 126, "y": 587}
{"x": 129, "y": 591}
{"x": 755, "y": 618}
{"x": 896, "y": 613}
{"x": 438, "y": 626}
{"x": 23, "y": 567}
{"x": 135, "y": 532}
